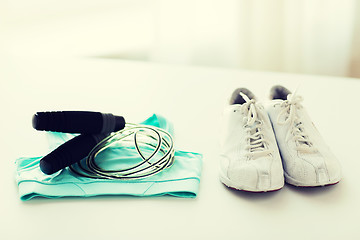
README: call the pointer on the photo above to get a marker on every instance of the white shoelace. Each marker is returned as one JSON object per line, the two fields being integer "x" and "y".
{"x": 258, "y": 147}
{"x": 297, "y": 132}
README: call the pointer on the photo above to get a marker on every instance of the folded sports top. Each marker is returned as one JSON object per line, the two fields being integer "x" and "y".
{"x": 182, "y": 179}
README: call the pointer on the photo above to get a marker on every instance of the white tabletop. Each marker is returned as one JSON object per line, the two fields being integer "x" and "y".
{"x": 192, "y": 98}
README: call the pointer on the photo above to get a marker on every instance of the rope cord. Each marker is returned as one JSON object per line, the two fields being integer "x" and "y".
{"x": 141, "y": 138}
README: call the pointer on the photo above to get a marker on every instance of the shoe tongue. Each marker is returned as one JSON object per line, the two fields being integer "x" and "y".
{"x": 253, "y": 131}
{"x": 253, "y": 128}
{"x": 236, "y": 98}
{"x": 276, "y": 101}
{"x": 300, "y": 129}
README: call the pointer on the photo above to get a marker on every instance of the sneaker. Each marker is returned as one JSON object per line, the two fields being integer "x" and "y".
{"x": 250, "y": 159}
{"x": 307, "y": 161}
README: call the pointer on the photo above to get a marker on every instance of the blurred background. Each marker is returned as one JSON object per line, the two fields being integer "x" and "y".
{"x": 299, "y": 36}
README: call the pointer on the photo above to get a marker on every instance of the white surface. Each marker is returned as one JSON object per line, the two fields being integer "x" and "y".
{"x": 193, "y": 99}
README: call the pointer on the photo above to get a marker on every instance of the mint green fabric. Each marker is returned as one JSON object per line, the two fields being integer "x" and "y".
{"x": 182, "y": 179}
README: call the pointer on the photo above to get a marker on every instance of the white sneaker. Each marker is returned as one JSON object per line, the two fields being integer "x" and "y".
{"x": 250, "y": 159}
{"x": 307, "y": 161}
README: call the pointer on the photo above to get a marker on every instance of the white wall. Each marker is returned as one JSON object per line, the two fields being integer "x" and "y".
{"x": 315, "y": 37}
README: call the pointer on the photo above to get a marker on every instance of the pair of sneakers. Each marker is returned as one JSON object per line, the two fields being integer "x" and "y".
{"x": 263, "y": 145}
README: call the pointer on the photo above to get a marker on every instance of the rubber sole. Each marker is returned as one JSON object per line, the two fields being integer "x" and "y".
{"x": 292, "y": 181}
{"x": 234, "y": 186}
